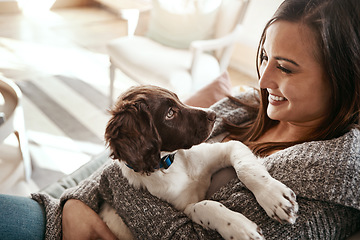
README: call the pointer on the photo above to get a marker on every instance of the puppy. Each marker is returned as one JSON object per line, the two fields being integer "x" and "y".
{"x": 156, "y": 139}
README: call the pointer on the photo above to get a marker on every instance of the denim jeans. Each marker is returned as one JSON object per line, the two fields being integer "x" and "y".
{"x": 21, "y": 218}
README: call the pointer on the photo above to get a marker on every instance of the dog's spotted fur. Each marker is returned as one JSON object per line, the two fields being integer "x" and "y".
{"x": 149, "y": 121}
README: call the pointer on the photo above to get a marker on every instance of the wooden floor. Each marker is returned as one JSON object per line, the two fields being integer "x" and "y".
{"x": 46, "y": 47}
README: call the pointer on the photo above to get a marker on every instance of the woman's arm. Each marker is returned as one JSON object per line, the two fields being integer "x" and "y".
{"x": 73, "y": 219}
{"x": 81, "y": 222}
{"x": 87, "y": 191}
{"x": 79, "y": 211}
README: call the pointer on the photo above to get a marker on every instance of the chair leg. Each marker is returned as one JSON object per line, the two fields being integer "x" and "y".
{"x": 19, "y": 127}
{"x": 112, "y": 79}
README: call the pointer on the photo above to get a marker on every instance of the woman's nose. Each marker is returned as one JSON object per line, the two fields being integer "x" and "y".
{"x": 267, "y": 78}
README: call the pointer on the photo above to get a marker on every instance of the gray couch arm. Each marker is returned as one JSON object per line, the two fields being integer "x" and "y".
{"x": 56, "y": 189}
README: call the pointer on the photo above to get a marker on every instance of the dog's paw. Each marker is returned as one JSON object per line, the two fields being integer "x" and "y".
{"x": 239, "y": 227}
{"x": 229, "y": 224}
{"x": 278, "y": 201}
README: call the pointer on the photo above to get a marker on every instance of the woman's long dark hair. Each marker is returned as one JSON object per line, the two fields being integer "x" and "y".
{"x": 336, "y": 26}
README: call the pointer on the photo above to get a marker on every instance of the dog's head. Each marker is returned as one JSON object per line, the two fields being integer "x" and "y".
{"x": 147, "y": 120}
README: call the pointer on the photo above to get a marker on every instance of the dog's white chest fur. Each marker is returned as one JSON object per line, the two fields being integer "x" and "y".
{"x": 178, "y": 184}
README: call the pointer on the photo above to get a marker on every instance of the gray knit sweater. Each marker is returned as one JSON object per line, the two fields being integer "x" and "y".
{"x": 325, "y": 175}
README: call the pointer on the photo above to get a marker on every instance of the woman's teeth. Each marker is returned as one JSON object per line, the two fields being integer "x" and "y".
{"x": 277, "y": 98}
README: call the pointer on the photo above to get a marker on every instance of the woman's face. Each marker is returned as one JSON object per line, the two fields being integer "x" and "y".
{"x": 299, "y": 92}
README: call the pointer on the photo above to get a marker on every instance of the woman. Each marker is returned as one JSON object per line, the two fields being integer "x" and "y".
{"x": 306, "y": 128}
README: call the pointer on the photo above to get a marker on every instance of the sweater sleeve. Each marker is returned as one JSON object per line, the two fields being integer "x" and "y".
{"x": 87, "y": 191}
{"x": 53, "y": 215}
{"x": 321, "y": 170}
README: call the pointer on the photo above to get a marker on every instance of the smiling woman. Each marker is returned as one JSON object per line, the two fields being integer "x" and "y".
{"x": 299, "y": 91}
{"x": 309, "y": 85}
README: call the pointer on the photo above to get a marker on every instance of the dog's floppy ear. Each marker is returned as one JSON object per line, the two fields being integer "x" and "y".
{"x": 132, "y": 136}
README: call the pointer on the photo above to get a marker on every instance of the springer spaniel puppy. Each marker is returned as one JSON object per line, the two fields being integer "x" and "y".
{"x": 156, "y": 139}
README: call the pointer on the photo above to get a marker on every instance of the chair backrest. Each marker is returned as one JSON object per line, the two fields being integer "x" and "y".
{"x": 230, "y": 14}
{"x": 177, "y": 23}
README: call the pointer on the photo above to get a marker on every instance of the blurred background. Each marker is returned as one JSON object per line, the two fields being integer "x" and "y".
{"x": 55, "y": 52}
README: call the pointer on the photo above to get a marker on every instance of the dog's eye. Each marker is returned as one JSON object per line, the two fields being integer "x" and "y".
{"x": 170, "y": 114}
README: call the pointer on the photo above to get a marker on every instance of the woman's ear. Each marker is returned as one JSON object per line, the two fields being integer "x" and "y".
{"x": 132, "y": 137}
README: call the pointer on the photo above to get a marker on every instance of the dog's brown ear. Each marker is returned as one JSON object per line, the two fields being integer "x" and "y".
{"x": 132, "y": 137}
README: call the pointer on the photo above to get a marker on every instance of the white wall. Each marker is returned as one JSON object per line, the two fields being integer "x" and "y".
{"x": 258, "y": 13}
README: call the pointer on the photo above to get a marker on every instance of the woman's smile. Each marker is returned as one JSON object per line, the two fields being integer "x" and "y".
{"x": 276, "y": 100}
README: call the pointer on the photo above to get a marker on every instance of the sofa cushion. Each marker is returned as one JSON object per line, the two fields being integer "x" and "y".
{"x": 211, "y": 93}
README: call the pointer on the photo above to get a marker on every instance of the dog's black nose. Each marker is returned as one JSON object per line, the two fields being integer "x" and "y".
{"x": 211, "y": 115}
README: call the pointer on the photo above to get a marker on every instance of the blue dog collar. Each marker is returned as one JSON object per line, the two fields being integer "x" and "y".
{"x": 165, "y": 161}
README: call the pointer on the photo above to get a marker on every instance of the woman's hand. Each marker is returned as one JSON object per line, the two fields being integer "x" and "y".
{"x": 80, "y": 222}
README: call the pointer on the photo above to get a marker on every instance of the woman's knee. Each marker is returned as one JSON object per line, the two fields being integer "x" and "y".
{"x": 21, "y": 218}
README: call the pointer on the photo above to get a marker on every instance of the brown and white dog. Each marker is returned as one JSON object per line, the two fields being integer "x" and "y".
{"x": 153, "y": 135}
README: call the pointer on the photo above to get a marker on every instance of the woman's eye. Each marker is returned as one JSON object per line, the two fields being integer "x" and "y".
{"x": 170, "y": 114}
{"x": 263, "y": 57}
{"x": 284, "y": 70}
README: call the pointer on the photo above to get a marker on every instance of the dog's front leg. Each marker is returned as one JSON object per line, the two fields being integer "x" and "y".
{"x": 229, "y": 224}
{"x": 276, "y": 199}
